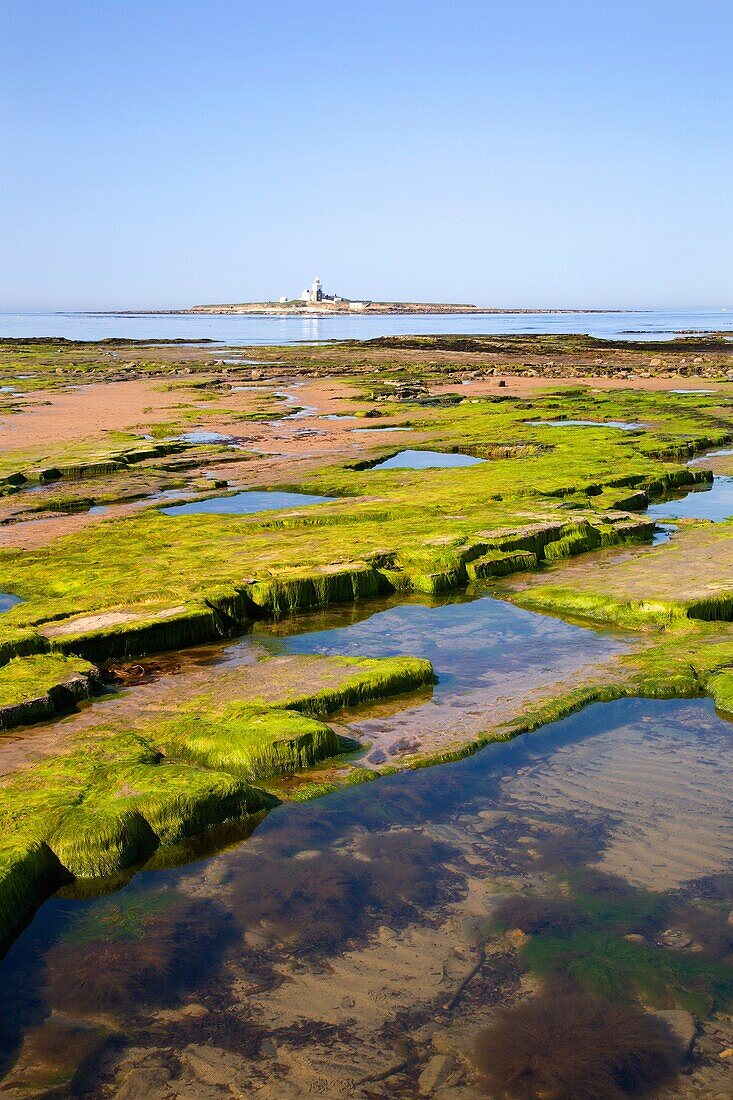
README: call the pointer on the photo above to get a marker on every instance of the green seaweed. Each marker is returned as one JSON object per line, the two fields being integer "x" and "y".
{"x": 613, "y": 967}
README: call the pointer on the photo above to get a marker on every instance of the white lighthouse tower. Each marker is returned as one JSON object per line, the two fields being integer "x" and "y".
{"x": 315, "y": 293}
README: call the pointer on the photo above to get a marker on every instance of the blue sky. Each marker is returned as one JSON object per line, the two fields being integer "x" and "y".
{"x": 159, "y": 153}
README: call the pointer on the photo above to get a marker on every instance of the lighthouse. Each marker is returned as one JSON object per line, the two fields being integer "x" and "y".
{"x": 315, "y": 293}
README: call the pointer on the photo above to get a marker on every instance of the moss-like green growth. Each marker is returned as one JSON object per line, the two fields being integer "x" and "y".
{"x": 500, "y": 563}
{"x": 99, "y": 808}
{"x": 720, "y": 686}
{"x": 249, "y": 741}
{"x": 374, "y": 678}
{"x": 37, "y": 687}
{"x": 600, "y": 607}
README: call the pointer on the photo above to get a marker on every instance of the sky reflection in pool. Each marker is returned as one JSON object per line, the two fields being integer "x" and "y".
{"x": 204, "y": 437}
{"x": 242, "y": 504}
{"x": 713, "y": 502}
{"x": 725, "y": 453}
{"x": 621, "y": 425}
{"x": 426, "y": 460}
{"x": 7, "y": 601}
{"x": 488, "y": 656}
{"x": 378, "y": 431}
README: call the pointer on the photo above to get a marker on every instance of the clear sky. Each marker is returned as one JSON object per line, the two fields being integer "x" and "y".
{"x": 161, "y": 153}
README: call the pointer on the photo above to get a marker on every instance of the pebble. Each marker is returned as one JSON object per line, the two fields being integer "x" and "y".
{"x": 435, "y": 1073}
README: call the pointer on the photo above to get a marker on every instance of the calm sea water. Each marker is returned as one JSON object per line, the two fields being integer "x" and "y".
{"x": 260, "y": 329}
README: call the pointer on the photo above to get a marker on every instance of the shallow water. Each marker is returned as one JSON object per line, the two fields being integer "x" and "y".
{"x": 713, "y": 501}
{"x": 242, "y": 504}
{"x": 663, "y": 532}
{"x": 201, "y": 436}
{"x": 290, "y": 399}
{"x": 701, "y": 459}
{"x": 488, "y": 655}
{"x": 306, "y": 958}
{"x": 378, "y": 431}
{"x": 621, "y": 425}
{"x": 426, "y": 460}
{"x": 7, "y": 601}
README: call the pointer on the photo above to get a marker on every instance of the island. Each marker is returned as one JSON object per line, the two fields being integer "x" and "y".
{"x": 314, "y": 301}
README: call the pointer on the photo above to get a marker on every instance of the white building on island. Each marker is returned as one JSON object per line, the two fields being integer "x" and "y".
{"x": 314, "y": 293}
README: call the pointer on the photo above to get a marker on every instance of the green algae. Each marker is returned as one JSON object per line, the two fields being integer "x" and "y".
{"x": 375, "y": 678}
{"x": 249, "y": 741}
{"x": 33, "y": 688}
{"x": 601, "y": 936}
{"x": 254, "y": 740}
{"x": 613, "y": 967}
{"x": 720, "y": 687}
{"x": 500, "y": 563}
{"x": 26, "y": 677}
{"x": 119, "y": 795}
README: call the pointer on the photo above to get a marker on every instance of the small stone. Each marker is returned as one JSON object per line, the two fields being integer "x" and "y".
{"x": 635, "y": 937}
{"x": 727, "y": 1053}
{"x": 676, "y": 938}
{"x": 434, "y": 1074}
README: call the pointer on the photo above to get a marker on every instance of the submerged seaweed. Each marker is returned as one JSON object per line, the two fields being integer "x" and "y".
{"x": 119, "y": 956}
{"x": 316, "y": 903}
{"x": 607, "y": 938}
{"x": 569, "y": 1046}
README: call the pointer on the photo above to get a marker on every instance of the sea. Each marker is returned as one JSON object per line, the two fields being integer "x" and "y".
{"x": 266, "y": 329}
